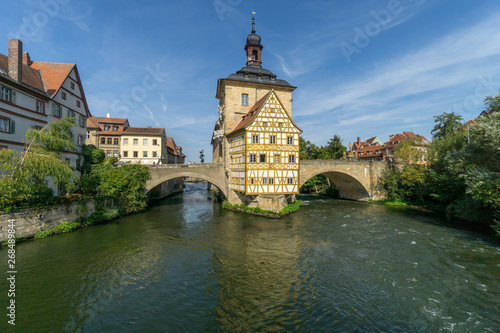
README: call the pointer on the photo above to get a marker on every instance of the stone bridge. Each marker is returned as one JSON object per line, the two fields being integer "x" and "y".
{"x": 211, "y": 172}
{"x": 356, "y": 180}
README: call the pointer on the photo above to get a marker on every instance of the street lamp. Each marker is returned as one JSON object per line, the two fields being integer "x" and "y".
{"x": 202, "y": 156}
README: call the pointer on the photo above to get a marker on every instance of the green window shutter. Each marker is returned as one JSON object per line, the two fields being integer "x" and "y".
{"x": 53, "y": 109}
{"x": 12, "y": 126}
{"x": 68, "y": 114}
{"x": 14, "y": 96}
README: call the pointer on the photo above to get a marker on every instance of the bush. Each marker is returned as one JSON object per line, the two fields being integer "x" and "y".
{"x": 43, "y": 234}
{"x": 66, "y": 227}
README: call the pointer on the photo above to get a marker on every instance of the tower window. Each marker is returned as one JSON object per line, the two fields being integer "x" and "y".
{"x": 244, "y": 99}
{"x": 255, "y": 55}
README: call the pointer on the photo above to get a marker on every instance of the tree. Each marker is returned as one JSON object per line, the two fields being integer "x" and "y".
{"x": 25, "y": 175}
{"x": 407, "y": 151}
{"x": 446, "y": 124}
{"x": 492, "y": 103}
{"x": 91, "y": 156}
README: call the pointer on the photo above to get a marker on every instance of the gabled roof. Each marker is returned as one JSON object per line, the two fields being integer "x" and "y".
{"x": 249, "y": 117}
{"x": 91, "y": 123}
{"x": 54, "y": 74}
{"x": 171, "y": 145}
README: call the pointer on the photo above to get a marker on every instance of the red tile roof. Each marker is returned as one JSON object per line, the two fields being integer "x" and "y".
{"x": 251, "y": 114}
{"x": 144, "y": 131}
{"x": 53, "y": 74}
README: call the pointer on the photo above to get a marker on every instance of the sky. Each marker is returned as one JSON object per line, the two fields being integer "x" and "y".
{"x": 362, "y": 68}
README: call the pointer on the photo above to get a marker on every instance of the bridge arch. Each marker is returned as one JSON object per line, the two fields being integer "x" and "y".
{"x": 212, "y": 173}
{"x": 357, "y": 180}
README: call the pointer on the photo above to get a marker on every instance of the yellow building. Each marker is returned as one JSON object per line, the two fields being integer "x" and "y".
{"x": 144, "y": 145}
{"x": 264, "y": 150}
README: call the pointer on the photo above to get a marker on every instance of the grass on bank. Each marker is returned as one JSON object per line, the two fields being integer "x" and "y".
{"x": 290, "y": 208}
{"x": 65, "y": 227}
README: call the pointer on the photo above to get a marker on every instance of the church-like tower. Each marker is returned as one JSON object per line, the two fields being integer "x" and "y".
{"x": 238, "y": 92}
{"x": 254, "y": 105}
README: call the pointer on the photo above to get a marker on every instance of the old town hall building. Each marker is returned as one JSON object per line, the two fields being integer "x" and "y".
{"x": 255, "y": 136}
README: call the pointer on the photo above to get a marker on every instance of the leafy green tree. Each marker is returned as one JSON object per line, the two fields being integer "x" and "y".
{"x": 91, "y": 156}
{"x": 492, "y": 103}
{"x": 408, "y": 152}
{"x": 25, "y": 175}
{"x": 446, "y": 124}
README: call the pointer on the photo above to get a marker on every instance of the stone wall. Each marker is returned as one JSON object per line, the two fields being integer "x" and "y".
{"x": 166, "y": 188}
{"x": 32, "y": 220}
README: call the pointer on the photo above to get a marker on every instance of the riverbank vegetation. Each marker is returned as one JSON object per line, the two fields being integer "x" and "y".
{"x": 26, "y": 175}
{"x": 290, "y": 208}
{"x": 463, "y": 170}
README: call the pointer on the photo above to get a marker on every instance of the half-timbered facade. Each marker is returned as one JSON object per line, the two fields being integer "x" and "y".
{"x": 264, "y": 150}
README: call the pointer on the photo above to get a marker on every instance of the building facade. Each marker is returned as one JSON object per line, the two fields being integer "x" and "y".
{"x": 240, "y": 91}
{"x": 373, "y": 150}
{"x": 35, "y": 93}
{"x": 254, "y": 136}
{"x": 264, "y": 150}
{"x": 105, "y": 133}
{"x": 144, "y": 145}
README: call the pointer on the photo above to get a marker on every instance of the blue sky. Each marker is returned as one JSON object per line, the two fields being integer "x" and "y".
{"x": 363, "y": 67}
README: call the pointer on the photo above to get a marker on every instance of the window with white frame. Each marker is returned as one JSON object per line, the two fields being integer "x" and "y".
{"x": 5, "y": 125}
{"x": 136, "y": 142}
{"x": 252, "y": 181}
{"x": 277, "y": 158}
{"x": 88, "y": 135}
{"x": 5, "y": 94}
{"x": 155, "y": 154}
{"x": 253, "y": 158}
{"x": 255, "y": 139}
{"x": 289, "y": 140}
{"x": 144, "y": 154}
{"x": 244, "y": 99}
{"x": 115, "y": 153}
{"x": 262, "y": 158}
{"x": 291, "y": 158}
{"x": 125, "y": 141}
{"x": 272, "y": 139}
{"x": 56, "y": 110}
{"x": 289, "y": 181}
{"x": 40, "y": 107}
{"x": 264, "y": 181}
{"x": 271, "y": 181}
{"x": 144, "y": 142}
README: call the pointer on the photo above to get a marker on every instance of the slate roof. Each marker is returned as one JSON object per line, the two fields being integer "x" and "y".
{"x": 257, "y": 74}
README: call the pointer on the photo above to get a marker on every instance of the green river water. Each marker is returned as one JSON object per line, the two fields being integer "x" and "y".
{"x": 186, "y": 265}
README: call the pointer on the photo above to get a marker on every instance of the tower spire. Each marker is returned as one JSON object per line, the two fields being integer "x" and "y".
{"x": 253, "y": 22}
{"x": 253, "y": 47}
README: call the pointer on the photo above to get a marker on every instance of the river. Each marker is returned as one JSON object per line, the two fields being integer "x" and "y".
{"x": 187, "y": 265}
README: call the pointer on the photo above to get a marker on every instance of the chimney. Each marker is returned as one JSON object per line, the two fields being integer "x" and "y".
{"x": 26, "y": 59}
{"x": 359, "y": 140}
{"x": 15, "y": 59}
{"x": 108, "y": 115}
